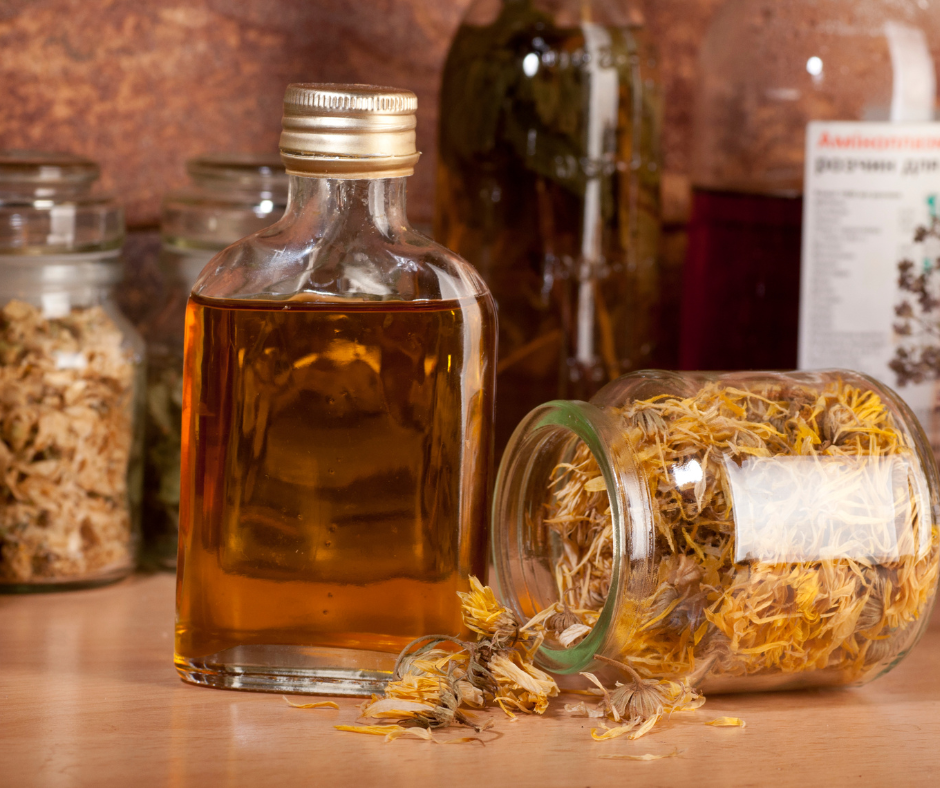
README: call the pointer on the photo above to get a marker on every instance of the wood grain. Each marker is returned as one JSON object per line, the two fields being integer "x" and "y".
{"x": 89, "y": 696}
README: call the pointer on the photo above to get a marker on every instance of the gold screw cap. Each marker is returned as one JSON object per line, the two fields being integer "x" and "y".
{"x": 348, "y": 131}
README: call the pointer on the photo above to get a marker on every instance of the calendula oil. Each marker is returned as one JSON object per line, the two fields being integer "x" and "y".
{"x": 336, "y": 434}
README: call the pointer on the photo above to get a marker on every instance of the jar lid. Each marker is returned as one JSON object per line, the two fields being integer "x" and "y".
{"x": 257, "y": 171}
{"x": 230, "y": 195}
{"x": 48, "y": 206}
{"x": 349, "y": 131}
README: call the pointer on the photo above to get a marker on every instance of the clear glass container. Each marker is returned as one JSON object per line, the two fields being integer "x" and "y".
{"x": 791, "y": 62}
{"x": 71, "y": 380}
{"x": 749, "y": 531}
{"x": 230, "y": 196}
{"x": 338, "y": 399}
{"x": 548, "y": 182}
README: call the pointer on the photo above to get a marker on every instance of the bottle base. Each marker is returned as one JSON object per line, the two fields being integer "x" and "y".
{"x": 291, "y": 669}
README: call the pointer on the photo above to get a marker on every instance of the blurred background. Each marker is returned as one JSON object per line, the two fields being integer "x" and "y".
{"x": 140, "y": 87}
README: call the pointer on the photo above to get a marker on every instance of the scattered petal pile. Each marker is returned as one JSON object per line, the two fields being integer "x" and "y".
{"x": 439, "y": 679}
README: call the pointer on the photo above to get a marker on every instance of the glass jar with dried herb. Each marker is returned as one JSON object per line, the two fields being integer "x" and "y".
{"x": 745, "y": 531}
{"x": 71, "y": 380}
{"x": 548, "y": 182}
{"x": 338, "y": 390}
{"x": 231, "y": 195}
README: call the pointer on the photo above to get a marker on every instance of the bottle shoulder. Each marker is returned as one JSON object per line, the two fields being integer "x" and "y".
{"x": 282, "y": 261}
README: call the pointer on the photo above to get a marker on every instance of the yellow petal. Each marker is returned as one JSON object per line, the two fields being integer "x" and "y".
{"x": 647, "y": 757}
{"x": 411, "y": 733}
{"x": 727, "y": 722}
{"x": 396, "y": 707}
{"x": 374, "y": 730}
{"x": 610, "y": 733}
{"x": 323, "y": 704}
{"x": 646, "y": 727}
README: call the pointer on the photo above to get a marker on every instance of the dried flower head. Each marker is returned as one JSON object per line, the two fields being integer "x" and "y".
{"x": 437, "y": 678}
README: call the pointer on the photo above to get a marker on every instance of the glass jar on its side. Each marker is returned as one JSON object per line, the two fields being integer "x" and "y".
{"x": 71, "y": 376}
{"x": 548, "y": 182}
{"x": 748, "y": 531}
{"x": 230, "y": 196}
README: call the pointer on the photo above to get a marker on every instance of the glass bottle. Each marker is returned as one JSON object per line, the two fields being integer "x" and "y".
{"x": 548, "y": 182}
{"x": 71, "y": 380}
{"x": 792, "y": 63}
{"x": 748, "y": 531}
{"x": 337, "y": 406}
{"x": 230, "y": 196}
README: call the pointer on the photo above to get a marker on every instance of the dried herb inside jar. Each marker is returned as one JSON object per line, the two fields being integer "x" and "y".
{"x": 793, "y": 530}
{"x": 66, "y": 441}
{"x": 162, "y": 456}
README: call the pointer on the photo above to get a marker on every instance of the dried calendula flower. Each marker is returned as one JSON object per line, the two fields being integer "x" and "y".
{"x": 66, "y": 444}
{"x": 639, "y": 704}
{"x": 792, "y": 530}
{"x": 439, "y": 678}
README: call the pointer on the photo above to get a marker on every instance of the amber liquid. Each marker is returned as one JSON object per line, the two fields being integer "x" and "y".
{"x": 741, "y": 294}
{"x": 335, "y": 471}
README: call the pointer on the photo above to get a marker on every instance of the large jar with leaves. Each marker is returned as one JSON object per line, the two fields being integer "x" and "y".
{"x": 548, "y": 182}
{"x": 229, "y": 196}
{"x": 743, "y": 531}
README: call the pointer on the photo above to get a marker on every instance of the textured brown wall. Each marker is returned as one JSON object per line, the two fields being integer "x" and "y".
{"x": 142, "y": 86}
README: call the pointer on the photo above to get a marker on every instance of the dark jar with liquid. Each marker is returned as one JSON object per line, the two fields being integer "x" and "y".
{"x": 548, "y": 182}
{"x": 791, "y": 63}
{"x": 337, "y": 407}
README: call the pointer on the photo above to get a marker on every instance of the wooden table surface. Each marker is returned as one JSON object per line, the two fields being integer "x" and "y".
{"x": 89, "y": 696}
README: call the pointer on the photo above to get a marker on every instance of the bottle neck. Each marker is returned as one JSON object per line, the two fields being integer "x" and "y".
{"x": 352, "y": 207}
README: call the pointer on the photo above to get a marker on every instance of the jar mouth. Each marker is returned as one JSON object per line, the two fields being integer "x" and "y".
{"x": 525, "y": 549}
{"x": 263, "y": 172}
{"x": 41, "y": 168}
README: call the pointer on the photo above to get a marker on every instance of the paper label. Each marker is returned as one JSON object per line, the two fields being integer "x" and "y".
{"x": 870, "y": 283}
{"x": 789, "y": 509}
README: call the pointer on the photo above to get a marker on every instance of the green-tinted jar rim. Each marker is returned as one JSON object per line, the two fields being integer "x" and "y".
{"x": 564, "y": 423}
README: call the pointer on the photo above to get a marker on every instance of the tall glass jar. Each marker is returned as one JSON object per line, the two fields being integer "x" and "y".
{"x": 747, "y": 531}
{"x": 548, "y": 182}
{"x": 71, "y": 369}
{"x": 337, "y": 406}
{"x": 230, "y": 196}
{"x": 864, "y": 63}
